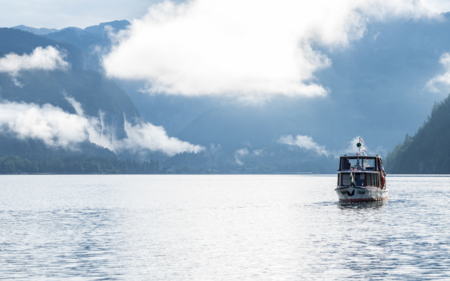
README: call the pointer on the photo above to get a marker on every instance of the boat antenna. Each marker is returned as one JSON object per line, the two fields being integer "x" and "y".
{"x": 359, "y": 146}
{"x": 359, "y": 150}
{"x": 364, "y": 151}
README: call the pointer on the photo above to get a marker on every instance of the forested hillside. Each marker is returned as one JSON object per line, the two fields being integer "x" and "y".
{"x": 76, "y": 165}
{"x": 427, "y": 152}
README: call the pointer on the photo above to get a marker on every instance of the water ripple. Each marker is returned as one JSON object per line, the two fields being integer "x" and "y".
{"x": 219, "y": 228}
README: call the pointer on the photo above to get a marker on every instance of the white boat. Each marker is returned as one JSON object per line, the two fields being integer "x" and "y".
{"x": 360, "y": 179}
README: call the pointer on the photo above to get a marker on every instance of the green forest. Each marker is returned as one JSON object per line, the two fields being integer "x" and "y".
{"x": 81, "y": 164}
{"x": 76, "y": 165}
{"x": 427, "y": 152}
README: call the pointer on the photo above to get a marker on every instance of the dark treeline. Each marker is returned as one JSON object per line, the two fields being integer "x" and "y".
{"x": 427, "y": 152}
{"x": 98, "y": 165}
{"x": 76, "y": 165}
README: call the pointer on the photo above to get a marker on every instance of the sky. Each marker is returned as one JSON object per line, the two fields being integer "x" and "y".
{"x": 250, "y": 49}
{"x": 82, "y": 13}
{"x": 59, "y": 14}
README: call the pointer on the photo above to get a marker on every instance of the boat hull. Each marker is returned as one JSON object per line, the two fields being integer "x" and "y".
{"x": 353, "y": 194}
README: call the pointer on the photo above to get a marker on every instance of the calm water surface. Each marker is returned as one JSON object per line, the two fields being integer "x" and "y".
{"x": 219, "y": 228}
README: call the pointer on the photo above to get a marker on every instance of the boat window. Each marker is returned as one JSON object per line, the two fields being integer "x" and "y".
{"x": 359, "y": 179}
{"x": 360, "y": 164}
{"x": 345, "y": 179}
{"x": 371, "y": 179}
{"x": 369, "y": 164}
{"x": 351, "y": 163}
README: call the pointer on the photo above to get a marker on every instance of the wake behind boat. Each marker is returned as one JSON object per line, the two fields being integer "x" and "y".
{"x": 361, "y": 178}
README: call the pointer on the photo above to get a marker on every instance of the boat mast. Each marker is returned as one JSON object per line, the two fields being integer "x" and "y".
{"x": 359, "y": 146}
{"x": 359, "y": 151}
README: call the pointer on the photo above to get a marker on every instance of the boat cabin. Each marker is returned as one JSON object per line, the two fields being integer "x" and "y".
{"x": 365, "y": 171}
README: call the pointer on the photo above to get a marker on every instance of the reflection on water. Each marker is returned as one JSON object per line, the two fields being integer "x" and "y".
{"x": 219, "y": 227}
{"x": 362, "y": 205}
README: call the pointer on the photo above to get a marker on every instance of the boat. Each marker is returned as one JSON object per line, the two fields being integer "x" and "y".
{"x": 360, "y": 178}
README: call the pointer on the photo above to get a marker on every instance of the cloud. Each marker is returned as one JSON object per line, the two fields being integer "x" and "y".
{"x": 238, "y": 154}
{"x": 352, "y": 148}
{"x": 437, "y": 6}
{"x": 303, "y": 142}
{"x": 441, "y": 82}
{"x": 257, "y": 152}
{"x": 47, "y": 123}
{"x": 57, "y": 128}
{"x": 376, "y": 36}
{"x": 214, "y": 148}
{"x": 245, "y": 48}
{"x": 154, "y": 138}
{"x": 40, "y": 59}
{"x": 17, "y": 83}
{"x": 307, "y": 142}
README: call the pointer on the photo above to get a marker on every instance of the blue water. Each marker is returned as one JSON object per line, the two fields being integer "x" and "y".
{"x": 274, "y": 227}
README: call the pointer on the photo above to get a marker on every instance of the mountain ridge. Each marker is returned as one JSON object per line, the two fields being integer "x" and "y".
{"x": 37, "y": 31}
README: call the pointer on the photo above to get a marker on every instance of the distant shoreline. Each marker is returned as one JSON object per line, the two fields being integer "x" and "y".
{"x": 221, "y": 174}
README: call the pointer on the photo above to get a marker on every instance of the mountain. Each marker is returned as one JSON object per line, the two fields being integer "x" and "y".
{"x": 117, "y": 25}
{"x": 427, "y": 151}
{"x": 78, "y": 37}
{"x": 37, "y": 31}
{"x": 22, "y": 42}
{"x": 93, "y": 40}
{"x": 377, "y": 90}
{"x": 276, "y": 159}
{"x": 36, "y": 150}
{"x": 92, "y": 90}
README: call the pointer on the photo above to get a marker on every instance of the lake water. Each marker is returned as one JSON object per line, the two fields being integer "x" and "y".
{"x": 230, "y": 227}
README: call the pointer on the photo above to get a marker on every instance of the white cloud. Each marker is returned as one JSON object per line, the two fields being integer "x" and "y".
{"x": 352, "y": 148}
{"x": 376, "y": 36}
{"x": 17, "y": 83}
{"x": 40, "y": 59}
{"x": 441, "y": 82}
{"x": 48, "y": 123}
{"x": 307, "y": 142}
{"x": 238, "y": 154}
{"x": 437, "y": 6}
{"x": 154, "y": 138}
{"x": 246, "y": 48}
{"x": 61, "y": 129}
{"x": 75, "y": 104}
{"x": 257, "y": 152}
{"x": 304, "y": 142}
{"x": 214, "y": 148}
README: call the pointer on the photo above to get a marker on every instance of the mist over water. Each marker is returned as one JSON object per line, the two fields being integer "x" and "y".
{"x": 168, "y": 227}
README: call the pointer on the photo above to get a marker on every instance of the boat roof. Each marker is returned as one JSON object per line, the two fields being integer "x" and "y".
{"x": 359, "y": 156}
